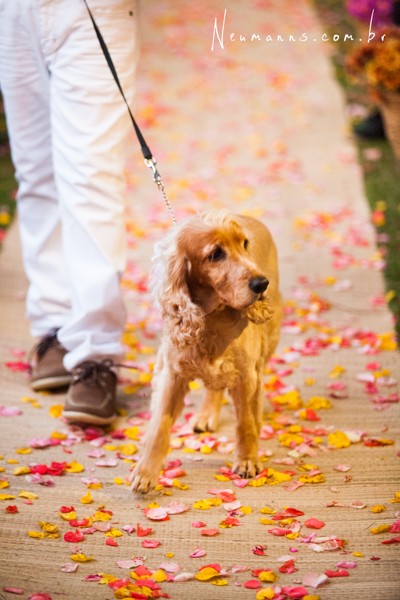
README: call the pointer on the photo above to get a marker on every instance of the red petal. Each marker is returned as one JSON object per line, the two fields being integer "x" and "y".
{"x": 314, "y": 524}
{"x": 252, "y": 584}
{"x": 74, "y": 536}
{"x": 338, "y": 573}
{"x": 295, "y": 592}
{"x": 111, "y": 542}
{"x": 209, "y": 532}
{"x": 143, "y": 531}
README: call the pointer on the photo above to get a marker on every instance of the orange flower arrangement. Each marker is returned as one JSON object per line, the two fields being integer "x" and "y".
{"x": 378, "y": 62}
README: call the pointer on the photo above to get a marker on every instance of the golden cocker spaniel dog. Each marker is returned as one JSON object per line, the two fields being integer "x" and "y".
{"x": 219, "y": 294}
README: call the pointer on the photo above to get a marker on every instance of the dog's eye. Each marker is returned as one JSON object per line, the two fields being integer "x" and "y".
{"x": 216, "y": 254}
{"x": 246, "y": 244}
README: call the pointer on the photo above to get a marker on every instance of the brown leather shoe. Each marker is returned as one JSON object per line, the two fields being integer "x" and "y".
{"x": 91, "y": 396}
{"x": 47, "y": 368}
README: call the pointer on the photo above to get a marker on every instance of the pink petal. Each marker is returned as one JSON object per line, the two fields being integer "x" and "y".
{"x": 174, "y": 473}
{"x": 314, "y": 580}
{"x": 342, "y": 468}
{"x": 10, "y": 411}
{"x": 346, "y": 564}
{"x": 230, "y": 506}
{"x": 175, "y": 508}
{"x": 198, "y": 524}
{"x": 126, "y": 564}
{"x": 240, "y": 483}
{"x": 150, "y": 544}
{"x": 109, "y": 462}
{"x": 68, "y": 568}
{"x": 157, "y": 514}
{"x": 239, "y": 568}
{"x": 198, "y": 553}
{"x": 170, "y": 567}
{"x": 181, "y": 577}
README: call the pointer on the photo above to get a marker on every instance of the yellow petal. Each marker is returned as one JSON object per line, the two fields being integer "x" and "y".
{"x": 21, "y": 470}
{"x": 68, "y": 516}
{"x": 159, "y": 576}
{"x": 246, "y": 510}
{"x": 118, "y": 480}
{"x": 99, "y": 515}
{"x": 27, "y": 495}
{"x": 94, "y": 486}
{"x": 220, "y": 582}
{"x": 106, "y": 578}
{"x": 56, "y": 410}
{"x": 378, "y": 508}
{"x": 265, "y": 594}
{"x": 267, "y": 576}
{"x": 48, "y": 527}
{"x": 338, "y": 439}
{"x": 74, "y": 467}
{"x": 87, "y": 498}
{"x": 37, "y": 534}
{"x": 380, "y": 528}
{"x": 80, "y": 557}
{"x": 267, "y": 510}
{"x": 114, "y": 533}
{"x": 128, "y": 449}
{"x": 132, "y": 433}
{"x": 258, "y": 482}
{"x": 57, "y": 435}
{"x": 206, "y": 574}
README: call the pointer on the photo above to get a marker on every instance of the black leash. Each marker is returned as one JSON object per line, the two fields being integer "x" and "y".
{"x": 149, "y": 159}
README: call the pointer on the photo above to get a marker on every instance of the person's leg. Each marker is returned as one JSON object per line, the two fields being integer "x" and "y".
{"x": 90, "y": 131}
{"x": 24, "y": 81}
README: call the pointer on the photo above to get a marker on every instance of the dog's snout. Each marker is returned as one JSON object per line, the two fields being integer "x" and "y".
{"x": 258, "y": 285}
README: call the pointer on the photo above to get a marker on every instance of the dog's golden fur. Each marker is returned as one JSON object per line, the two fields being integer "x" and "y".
{"x": 221, "y": 326}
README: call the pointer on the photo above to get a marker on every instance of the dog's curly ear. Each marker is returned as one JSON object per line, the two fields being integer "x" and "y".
{"x": 260, "y": 312}
{"x": 184, "y": 319}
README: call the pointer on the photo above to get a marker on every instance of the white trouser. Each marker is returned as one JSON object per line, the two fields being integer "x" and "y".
{"x": 69, "y": 132}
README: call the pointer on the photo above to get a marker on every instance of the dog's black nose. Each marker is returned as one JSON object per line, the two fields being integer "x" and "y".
{"x": 258, "y": 285}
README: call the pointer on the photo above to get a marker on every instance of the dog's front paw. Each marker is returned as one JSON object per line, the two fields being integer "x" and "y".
{"x": 246, "y": 468}
{"x": 143, "y": 479}
{"x": 205, "y": 422}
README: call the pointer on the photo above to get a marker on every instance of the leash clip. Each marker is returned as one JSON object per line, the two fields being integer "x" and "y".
{"x": 152, "y": 164}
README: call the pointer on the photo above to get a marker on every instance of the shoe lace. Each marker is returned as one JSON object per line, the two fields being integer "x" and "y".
{"x": 93, "y": 372}
{"x": 48, "y": 341}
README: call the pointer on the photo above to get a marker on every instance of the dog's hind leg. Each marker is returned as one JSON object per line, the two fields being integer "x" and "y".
{"x": 167, "y": 404}
{"x": 208, "y": 416}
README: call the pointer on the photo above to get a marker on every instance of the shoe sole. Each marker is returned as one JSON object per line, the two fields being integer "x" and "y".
{"x": 87, "y": 418}
{"x": 51, "y": 383}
